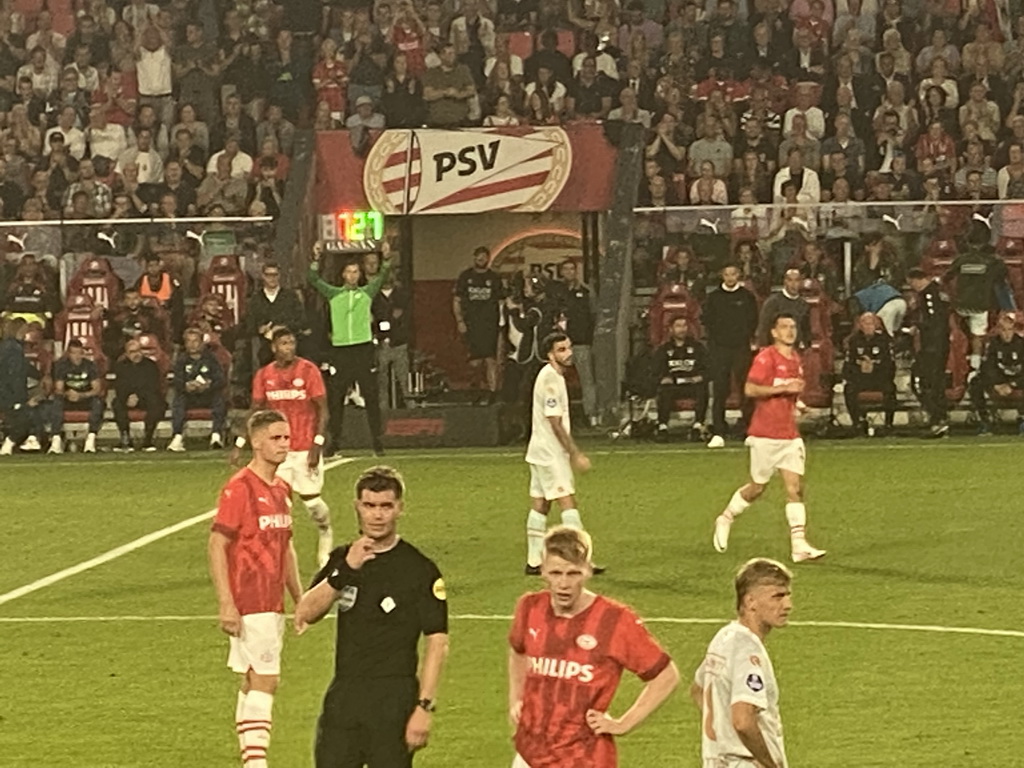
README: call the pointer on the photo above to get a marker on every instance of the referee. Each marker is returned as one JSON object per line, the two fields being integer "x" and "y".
{"x": 353, "y": 354}
{"x": 376, "y": 713}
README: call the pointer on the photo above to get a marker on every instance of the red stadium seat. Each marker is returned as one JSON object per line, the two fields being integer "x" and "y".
{"x": 521, "y": 44}
{"x": 79, "y": 320}
{"x": 567, "y": 42}
{"x": 225, "y": 278}
{"x": 163, "y": 318}
{"x": 37, "y": 350}
{"x": 817, "y": 361}
{"x": 97, "y": 280}
{"x": 671, "y": 302}
{"x": 939, "y": 255}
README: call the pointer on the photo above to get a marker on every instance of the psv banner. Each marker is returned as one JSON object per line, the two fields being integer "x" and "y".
{"x": 424, "y": 171}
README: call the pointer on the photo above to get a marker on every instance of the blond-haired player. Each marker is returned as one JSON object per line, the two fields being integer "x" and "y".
{"x": 735, "y": 687}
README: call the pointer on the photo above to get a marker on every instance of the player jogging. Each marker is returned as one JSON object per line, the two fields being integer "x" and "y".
{"x": 552, "y": 453}
{"x": 775, "y": 381}
{"x": 294, "y": 386}
{"x": 252, "y": 562}
{"x": 735, "y": 687}
{"x": 568, "y": 649}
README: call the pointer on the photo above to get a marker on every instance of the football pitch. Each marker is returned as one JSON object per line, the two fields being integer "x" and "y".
{"x": 122, "y": 664}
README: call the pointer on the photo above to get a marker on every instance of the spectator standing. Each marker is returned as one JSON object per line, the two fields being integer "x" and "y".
{"x": 391, "y": 332}
{"x": 402, "y": 103}
{"x": 932, "y": 329}
{"x": 198, "y": 383}
{"x": 681, "y": 365}
{"x": 352, "y": 351}
{"x": 578, "y": 311}
{"x": 869, "y": 367}
{"x": 729, "y": 315}
{"x": 478, "y": 296}
{"x": 196, "y": 70}
{"x": 153, "y": 69}
{"x": 330, "y": 78}
{"x": 788, "y": 301}
{"x": 270, "y": 308}
{"x": 447, "y": 90}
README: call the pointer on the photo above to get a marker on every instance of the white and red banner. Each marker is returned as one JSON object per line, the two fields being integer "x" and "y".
{"x": 424, "y": 171}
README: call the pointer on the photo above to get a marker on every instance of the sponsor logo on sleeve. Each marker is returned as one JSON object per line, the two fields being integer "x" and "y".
{"x": 755, "y": 683}
{"x": 551, "y": 402}
{"x": 347, "y": 599}
{"x": 439, "y": 590}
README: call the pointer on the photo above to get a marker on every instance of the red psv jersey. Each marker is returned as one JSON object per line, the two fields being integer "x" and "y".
{"x": 575, "y": 664}
{"x": 291, "y": 391}
{"x": 257, "y": 517}
{"x": 774, "y": 417}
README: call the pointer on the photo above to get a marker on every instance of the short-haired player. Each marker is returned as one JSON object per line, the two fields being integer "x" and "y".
{"x": 569, "y": 648}
{"x": 775, "y": 381}
{"x": 252, "y": 563}
{"x": 735, "y": 686}
{"x": 294, "y": 386}
{"x": 552, "y": 453}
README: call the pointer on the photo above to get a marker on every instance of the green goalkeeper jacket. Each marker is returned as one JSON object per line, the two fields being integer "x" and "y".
{"x": 351, "y": 321}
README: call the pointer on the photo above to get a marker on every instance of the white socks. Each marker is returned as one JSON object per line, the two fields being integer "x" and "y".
{"x": 536, "y": 527}
{"x": 253, "y": 718}
{"x": 571, "y": 519}
{"x": 975, "y": 362}
{"x": 735, "y": 507}
{"x": 796, "y": 516}
{"x": 319, "y": 512}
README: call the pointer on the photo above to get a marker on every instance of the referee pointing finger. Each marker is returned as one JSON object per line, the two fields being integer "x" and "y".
{"x": 376, "y": 712}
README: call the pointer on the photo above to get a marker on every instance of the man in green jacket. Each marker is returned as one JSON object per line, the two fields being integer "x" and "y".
{"x": 352, "y": 354}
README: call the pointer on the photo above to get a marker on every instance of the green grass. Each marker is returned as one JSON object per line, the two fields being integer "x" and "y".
{"x": 917, "y": 533}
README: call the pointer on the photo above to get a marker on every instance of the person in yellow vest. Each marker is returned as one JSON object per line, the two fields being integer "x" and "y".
{"x": 156, "y": 283}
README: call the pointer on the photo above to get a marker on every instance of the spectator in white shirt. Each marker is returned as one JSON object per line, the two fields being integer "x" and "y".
{"x": 105, "y": 139}
{"x": 808, "y": 184}
{"x": 153, "y": 73}
{"x": 44, "y": 37}
{"x": 365, "y": 116}
{"x": 145, "y": 157}
{"x": 88, "y": 76}
{"x": 241, "y": 163}
{"x": 605, "y": 61}
{"x": 502, "y": 53}
{"x": 74, "y": 138}
{"x": 44, "y": 74}
{"x": 140, "y": 14}
{"x": 629, "y": 112}
{"x": 805, "y": 106}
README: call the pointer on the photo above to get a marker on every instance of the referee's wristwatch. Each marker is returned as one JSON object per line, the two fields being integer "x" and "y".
{"x": 427, "y": 705}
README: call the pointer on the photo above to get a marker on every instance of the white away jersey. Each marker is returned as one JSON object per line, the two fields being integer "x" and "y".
{"x": 550, "y": 398}
{"x": 737, "y": 669}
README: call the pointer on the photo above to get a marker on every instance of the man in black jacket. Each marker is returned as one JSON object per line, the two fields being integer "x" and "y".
{"x": 681, "y": 365}
{"x": 269, "y": 308}
{"x": 14, "y": 374}
{"x": 577, "y": 310}
{"x": 929, "y": 369}
{"x": 869, "y": 367}
{"x": 137, "y": 387}
{"x": 730, "y": 320}
{"x": 390, "y": 310}
{"x": 198, "y": 384}
{"x": 1001, "y": 374}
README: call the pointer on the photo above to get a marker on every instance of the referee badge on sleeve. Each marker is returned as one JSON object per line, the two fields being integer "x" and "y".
{"x": 347, "y": 598}
{"x": 439, "y": 590}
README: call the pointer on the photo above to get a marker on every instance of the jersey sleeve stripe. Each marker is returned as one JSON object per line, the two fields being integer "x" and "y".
{"x": 657, "y": 669}
{"x": 231, "y": 533}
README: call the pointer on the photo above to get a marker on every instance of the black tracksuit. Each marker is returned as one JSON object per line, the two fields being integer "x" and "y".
{"x": 141, "y": 379}
{"x": 730, "y": 321}
{"x": 930, "y": 365}
{"x": 1003, "y": 364}
{"x": 682, "y": 369}
{"x": 876, "y": 349}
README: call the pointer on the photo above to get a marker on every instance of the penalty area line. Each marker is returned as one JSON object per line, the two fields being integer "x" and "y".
{"x": 489, "y": 617}
{"x": 124, "y": 549}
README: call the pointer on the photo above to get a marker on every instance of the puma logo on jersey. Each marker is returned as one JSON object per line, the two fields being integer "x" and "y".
{"x": 562, "y": 669}
{"x": 275, "y": 521}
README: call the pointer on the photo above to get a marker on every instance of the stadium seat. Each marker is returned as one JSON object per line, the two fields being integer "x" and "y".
{"x": 224, "y": 277}
{"x": 939, "y": 255}
{"x": 671, "y": 302}
{"x": 818, "y": 374}
{"x": 163, "y": 318}
{"x": 79, "y": 320}
{"x": 97, "y": 280}
{"x": 567, "y": 42}
{"x": 227, "y": 316}
{"x": 521, "y": 44}
{"x": 37, "y": 350}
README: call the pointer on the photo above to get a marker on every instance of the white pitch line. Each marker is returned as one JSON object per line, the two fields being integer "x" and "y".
{"x": 928, "y": 628}
{"x": 124, "y": 549}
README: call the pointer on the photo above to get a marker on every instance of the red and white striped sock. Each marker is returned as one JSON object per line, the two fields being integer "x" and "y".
{"x": 796, "y": 516}
{"x": 254, "y": 728}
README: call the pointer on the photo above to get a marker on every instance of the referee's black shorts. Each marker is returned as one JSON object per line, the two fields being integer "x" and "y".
{"x": 363, "y": 724}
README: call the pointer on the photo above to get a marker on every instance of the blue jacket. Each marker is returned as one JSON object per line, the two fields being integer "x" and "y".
{"x": 876, "y": 296}
{"x": 187, "y": 369}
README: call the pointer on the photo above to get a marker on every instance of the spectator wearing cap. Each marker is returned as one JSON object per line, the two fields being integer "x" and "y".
{"x": 448, "y": 90}
{"x": 198, "y": 384}
{"x": 137, "y": 387}
{"x": 365, "y": 116}
{"x": 76, "y": 387}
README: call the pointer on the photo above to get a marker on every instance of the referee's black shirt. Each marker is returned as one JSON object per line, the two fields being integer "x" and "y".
{"x": 384, "y": 608}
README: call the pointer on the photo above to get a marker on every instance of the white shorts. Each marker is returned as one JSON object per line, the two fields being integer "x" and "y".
{"x": 519, "y": 763}
{"x": 259, "y": 646}
{"x": 768, "y": 455}
{"x": 977, "y": 322}
{"x": 551, "y": 481}
{"x": 296, "y": 472}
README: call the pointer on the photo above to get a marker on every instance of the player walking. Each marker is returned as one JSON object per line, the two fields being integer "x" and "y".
{"x": 775, "y": 380}
{"x": 294, "y": 386}
{"x": 735, "y": 687}
{"x": 252, "y": 562}
{"x": 568, "y": 649}
{"x": 552, "y": 453}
